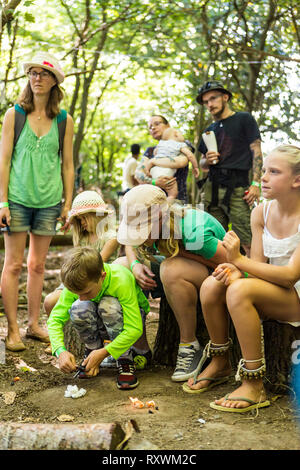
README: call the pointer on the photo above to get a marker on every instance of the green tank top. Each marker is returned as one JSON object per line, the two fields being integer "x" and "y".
{"x": 35, "y": 175}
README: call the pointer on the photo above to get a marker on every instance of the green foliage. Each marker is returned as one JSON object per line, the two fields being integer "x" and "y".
{"x": 127, "y": 59}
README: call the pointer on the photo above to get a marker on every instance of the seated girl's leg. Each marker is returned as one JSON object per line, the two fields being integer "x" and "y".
{"x": 50, "y": 300}
{"x": 246, "y": 300}
{"x": 213, "y": 301}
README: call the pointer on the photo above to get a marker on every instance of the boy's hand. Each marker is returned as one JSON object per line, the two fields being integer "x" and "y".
{"x": 196, "y": 172}
{"x": 148, "y": 165}
{"x": 93, "y": 361}
{"x": 67, "y": 362}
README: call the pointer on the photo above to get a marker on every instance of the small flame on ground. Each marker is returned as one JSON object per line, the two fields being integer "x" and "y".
{"x": 139, "y": 404}
{"x": 136, "y": 402}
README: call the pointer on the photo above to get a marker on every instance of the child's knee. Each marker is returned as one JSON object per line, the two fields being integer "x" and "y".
{"x": 83, "y": 310}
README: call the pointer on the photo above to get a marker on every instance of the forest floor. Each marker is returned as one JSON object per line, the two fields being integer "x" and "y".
{"x": 180, "y": 422}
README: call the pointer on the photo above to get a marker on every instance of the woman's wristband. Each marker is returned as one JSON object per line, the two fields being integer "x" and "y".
{"x": 134, "y": 263}
{"x": 3, "y": 204}
{"x": 153, "y": 182}
{"x": 255, "y": 183}
{"x": 246, "y": 274}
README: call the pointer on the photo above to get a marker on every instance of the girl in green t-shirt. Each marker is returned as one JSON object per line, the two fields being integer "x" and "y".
{"x": 190, "y": 240}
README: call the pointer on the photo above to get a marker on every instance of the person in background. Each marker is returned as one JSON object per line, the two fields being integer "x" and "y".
{"x": 234, "y": 171}
{"x": 33, "y": 179}
{"x": 130, "y": 164}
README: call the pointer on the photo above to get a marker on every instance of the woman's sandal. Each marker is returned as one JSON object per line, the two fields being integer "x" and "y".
{"x": 253, "y": 405}
{"x": 248, "y": 374}
{"x": 215, "y": 381}
{"x": 211, "y": 349}
{"x": 36, "y": 336}
{"x": 15, "y": 347}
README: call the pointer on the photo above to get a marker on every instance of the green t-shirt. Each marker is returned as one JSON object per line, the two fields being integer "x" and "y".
{"x": 35, "y": 175}
{"x": 201, "y": 233}
{"x": 120, "y": 283}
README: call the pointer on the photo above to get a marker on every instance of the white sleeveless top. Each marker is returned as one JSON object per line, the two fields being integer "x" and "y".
{"x": 280, "y": 250}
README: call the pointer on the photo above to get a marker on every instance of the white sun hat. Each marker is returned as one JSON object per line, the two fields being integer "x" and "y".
{"x": 45, "y": 61}
{"x": 140, "y": 211}
{"x": 88, "y": 201}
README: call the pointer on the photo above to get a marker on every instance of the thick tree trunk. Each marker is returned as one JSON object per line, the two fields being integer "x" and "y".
{"x": 37, "y": 436}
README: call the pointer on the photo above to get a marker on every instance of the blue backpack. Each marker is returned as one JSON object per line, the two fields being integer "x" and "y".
{"x": 20, "y": 118}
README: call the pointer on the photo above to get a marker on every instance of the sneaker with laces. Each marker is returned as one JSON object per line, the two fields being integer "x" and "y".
{"x": 187, "y": 361}
{"x": 141, "y": 361}
{"x": 126, "y": 378}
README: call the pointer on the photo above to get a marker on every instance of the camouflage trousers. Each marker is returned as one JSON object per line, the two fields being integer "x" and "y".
{"x": 96, "y": 323}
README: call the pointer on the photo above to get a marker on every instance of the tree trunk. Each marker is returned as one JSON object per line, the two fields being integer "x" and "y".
{"x": 73, "y": 342}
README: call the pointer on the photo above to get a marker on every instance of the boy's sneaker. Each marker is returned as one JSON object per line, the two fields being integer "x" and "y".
{"x": 109, "y": 363}
{"x": 188, "y": 359}
{"x": 141, "y": 361}
{"x": 126, "y": 378}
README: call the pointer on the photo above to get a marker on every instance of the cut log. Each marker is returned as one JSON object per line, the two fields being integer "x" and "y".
{"x": 25, "y": 436}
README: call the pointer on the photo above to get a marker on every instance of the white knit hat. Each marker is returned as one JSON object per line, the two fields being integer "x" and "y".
{"x": 88, "y": 201}
{"x": 48, "y": 62}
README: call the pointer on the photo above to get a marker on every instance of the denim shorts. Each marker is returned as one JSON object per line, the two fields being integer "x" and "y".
{"x": 37, "y": 221}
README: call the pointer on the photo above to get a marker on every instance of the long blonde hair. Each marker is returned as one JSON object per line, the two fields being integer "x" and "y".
{"x": 82, "y": 237}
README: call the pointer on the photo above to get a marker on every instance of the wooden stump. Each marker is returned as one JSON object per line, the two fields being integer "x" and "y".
{"x": 280, "y": 351}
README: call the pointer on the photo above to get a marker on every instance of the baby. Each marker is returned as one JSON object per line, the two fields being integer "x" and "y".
{"x": 170, "y": 154}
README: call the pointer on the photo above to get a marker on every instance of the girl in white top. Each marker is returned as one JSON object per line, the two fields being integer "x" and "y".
{"x": 251, "y": 289}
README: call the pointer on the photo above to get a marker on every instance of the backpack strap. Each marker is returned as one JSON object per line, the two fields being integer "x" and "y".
{"x": 20, "y": 118}
{"x": 61, "y": 124}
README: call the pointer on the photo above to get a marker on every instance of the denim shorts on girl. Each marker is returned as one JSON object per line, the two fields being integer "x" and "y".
{"x": 37, "y": 221}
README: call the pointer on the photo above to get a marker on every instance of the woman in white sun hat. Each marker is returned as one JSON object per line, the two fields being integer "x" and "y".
{"x": 93, "y": 224}
{"x": 36, "y": 168}
{"x": 191, "y": 241}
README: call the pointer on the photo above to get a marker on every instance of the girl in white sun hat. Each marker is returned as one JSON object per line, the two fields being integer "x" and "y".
{"x": 36, "y": 168}
{"x": 93, "y": 224}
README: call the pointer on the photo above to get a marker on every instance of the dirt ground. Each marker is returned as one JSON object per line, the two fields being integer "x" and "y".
{"x": 181, "y": 422}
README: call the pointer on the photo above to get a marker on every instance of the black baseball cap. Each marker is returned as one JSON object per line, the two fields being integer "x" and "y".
{"x": 210, "y": 86}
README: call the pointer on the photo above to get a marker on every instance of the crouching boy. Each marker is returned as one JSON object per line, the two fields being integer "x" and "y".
{"x": 106, "y": 307}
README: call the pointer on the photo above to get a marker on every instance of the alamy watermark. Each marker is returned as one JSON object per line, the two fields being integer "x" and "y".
{"x": 296, "y": 353}
{"x": 139, "y": 223}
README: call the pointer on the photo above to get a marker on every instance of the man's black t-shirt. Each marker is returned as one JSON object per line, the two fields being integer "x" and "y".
{"x": 234, "y": 136}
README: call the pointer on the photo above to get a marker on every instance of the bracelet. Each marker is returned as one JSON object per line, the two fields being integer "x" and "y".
{"x": 255, "y": 183}
{"x": 153, "y": 182}
{"x": 246, "y": 274}
{"x": 59, "y": 350}
{"x": 3, "y": 204}
{"x": 134, "y": 263}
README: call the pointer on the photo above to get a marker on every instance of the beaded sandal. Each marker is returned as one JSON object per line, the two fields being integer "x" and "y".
{"x": 211, "y": 349}
{"x": 245, "y": 374}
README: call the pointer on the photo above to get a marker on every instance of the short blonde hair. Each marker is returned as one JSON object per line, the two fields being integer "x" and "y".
{"x": 292, "y": 156}
{"x": 82, "y": 265}
{"x": 173, "y": 134}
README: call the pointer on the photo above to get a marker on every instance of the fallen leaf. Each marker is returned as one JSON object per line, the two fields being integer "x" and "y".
{"x": 65, "y": 418}
{"x": 9, "y": 397}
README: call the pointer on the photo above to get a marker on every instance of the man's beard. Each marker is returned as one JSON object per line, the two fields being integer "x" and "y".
{"x": 218, "y": 115}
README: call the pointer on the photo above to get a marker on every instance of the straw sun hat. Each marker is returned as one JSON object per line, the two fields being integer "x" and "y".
{"x": 88, "y": 201}
{"x": 48, "y": 62}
